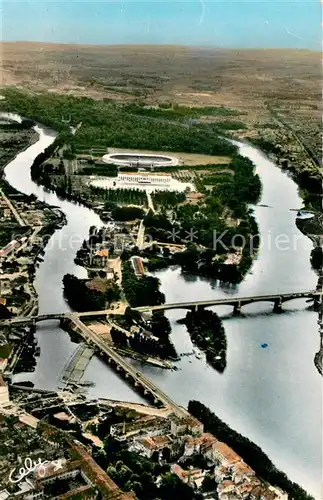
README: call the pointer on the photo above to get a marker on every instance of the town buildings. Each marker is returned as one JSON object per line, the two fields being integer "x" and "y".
{"x": 183, "y": 440}
{"x": 138, "y": 266}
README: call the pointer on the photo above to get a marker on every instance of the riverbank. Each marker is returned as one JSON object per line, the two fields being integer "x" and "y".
{"x": 26, "y": 227}
{"x": 308, "y": 178}
{"x": 263, "y": 393}
{"x": 27, "y": 223}
{"x": 249, "y": 452}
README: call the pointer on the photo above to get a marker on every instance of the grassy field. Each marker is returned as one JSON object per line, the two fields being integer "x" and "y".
{"x": 184, "y": 158}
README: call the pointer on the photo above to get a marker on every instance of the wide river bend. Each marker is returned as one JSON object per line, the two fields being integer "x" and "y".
{"x": 272, "y": 395}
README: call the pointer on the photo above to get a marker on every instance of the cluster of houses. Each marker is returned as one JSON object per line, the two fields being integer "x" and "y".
{"x": 179, "y": 439}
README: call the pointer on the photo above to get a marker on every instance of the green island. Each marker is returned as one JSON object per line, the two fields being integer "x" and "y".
{"x": 207, "y": 332}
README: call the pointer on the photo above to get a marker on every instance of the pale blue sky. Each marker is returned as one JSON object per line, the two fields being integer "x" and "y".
{"x": 225, "y": 23}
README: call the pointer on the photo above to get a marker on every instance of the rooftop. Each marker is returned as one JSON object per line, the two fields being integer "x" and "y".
{"x": 146, "y": 174}
{"x": 242, "y": 468}
{"x": 228, "y": 454}
{"x": 155, "y": 442}
{"x": 104, "y": 252}
{"x": 62, "y": 415}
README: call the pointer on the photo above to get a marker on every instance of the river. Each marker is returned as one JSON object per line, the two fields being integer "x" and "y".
{"x": 271, "y": 395}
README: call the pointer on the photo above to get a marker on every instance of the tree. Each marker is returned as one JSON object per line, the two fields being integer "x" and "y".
{"x": 209, "y": 483}
{"x": 317, "y": 257}
{"x": 172, "y": 487}
{"x": 160, "y": 325}
{"x": 166, "y": 455}
{"x": 113, "y": 448}
{"x": 4, "y": 312}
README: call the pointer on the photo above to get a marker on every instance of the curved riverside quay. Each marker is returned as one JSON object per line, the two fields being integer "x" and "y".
{"x": 272, "y": 395}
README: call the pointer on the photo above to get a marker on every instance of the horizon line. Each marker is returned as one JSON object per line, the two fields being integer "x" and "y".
{"x": 134, "y": 44}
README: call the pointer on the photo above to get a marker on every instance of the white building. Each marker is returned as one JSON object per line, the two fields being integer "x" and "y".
{"x": 143, "y": 178}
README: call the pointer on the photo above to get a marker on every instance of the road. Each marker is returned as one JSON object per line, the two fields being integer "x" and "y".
{"x": 141, "y": 235}
{"x": 139, "y": 408}
{"x": 13, "y": 210}
{"x": 135, "y": 374}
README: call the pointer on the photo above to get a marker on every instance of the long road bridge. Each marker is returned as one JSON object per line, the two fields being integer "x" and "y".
{"x": 95, "y": 342}
{"x": 130, "y": 372}
{"x": 237, "y": 302}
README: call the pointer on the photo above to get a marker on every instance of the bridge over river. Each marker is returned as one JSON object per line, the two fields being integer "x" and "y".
{"x": 237, "y": 302}
{"x": 94, "y": 342}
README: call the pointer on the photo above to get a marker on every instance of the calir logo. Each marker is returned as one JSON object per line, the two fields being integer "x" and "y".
{"x": 32, "y": 466}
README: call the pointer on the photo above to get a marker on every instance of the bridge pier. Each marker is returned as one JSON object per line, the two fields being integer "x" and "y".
{"x": 317, "y": 305}
{"x": 237, "y": 308}
{"x": 197, "y": 308}
{"x": 278, "y": 305}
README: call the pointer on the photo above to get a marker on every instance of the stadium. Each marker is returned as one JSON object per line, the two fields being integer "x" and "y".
{"x": 136, "y": 160}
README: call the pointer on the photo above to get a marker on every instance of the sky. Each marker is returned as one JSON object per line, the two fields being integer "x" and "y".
{"x": 219, "y": 23}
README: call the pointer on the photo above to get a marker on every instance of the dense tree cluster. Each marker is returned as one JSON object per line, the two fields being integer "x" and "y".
{"x": 140, "y": 291}
{"x": 201, "y": 262}
{"x": 121, "y": 196}
{"x": 167, "y": 198}
{"x": 249, "y": 451}
{"x": 205, "y": 225}
{"x": 177, "y": 112}
{"x": 160, "y": 325}
{"x": 308, "y": 180}
{"x": 238, "y": 190}
{"x": 127, "y": 213}
{"x": 100, "y": 170}
{"x": 133, "y": 472}
{"x": 317, "y": 257}
{"x": 144, "y": 344}
{"x": 39, "y": 173}
{"x": 108, "y": 124}
{"x": 207, "y": 332}
{"x": 81, "y": 298}
{"x": 4, "y": 312}
{"x": 15, "y": 126}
